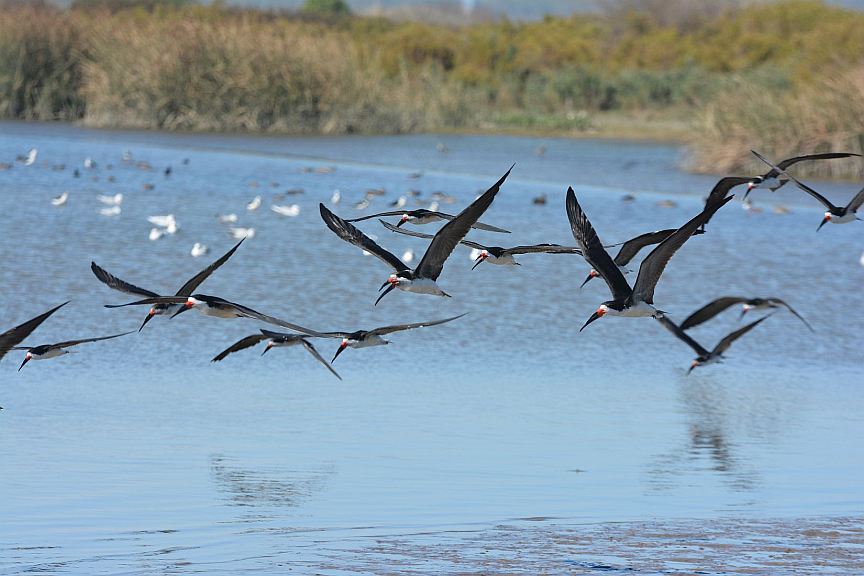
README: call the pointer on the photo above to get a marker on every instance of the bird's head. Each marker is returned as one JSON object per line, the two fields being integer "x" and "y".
{"x": 484, "y": 254}
{"x": 154, "y": 311}
{"x": 591, "y": 275}
{"x": 391, "y": 283}
{"x": 601, "y": 311}
{"x": 268, "y": 347}
{"x": 188, "y": 305}
{"x": 825, "y": 220}
{"x": 403, "y": 220}
{"x": 27, "y": 358}
{"x": 694, "y": 364}
{"x": 342, "y": 347}
{"x": 744, "y": 309}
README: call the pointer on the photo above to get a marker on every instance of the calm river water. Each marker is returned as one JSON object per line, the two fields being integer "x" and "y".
{"x": 503, "y": 442}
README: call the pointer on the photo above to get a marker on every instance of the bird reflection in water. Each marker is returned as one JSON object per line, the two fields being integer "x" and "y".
{"x": 277, "y": 487}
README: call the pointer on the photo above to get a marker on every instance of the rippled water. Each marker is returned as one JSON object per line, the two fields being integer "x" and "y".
{"x": 138, "y": 455}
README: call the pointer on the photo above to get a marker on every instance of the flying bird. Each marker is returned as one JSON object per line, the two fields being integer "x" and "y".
{"x": 495, "y": 254}
{"x": 626, "y": 301}
{"x": 46, "y": 351}
{"x": 703, "y": 356}
{"x": 717, "y": 306}
{"x": 720, "y": 191}
{"x": 834, "y": 214}
{"x": 367, "y": 338}
{"x": 277, "y": 339}
{"x": 774, "y": 178}
{"x": 424, "y": 216}
{"x": 421, "y": 279}
{"x": 631, "y": 248}
{"x": 161, "y": 308}
{"x": 14, "y": 336}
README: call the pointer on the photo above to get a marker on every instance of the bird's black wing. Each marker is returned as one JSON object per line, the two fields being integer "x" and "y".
{"x": 631, "y": 247}
{"x": 856, "y": 201}
{"x": 13, "y": 336}
{"x": 69, "y": 343}
{"x": 311, "y": 349}
{"x": 250, "y": 313}
{"x": 825, "y": 202}
{"x": 653, "y": 265}
{"x": 399, "y": 327}
{"x": 727, "y": 341}
{"x": 721, "y": 189}
{"x": 454, "y": 231}
{"x": 151, "y": 301}
{"x": 710, "y": 310}
{"x": 792, "y": 310}
{"x": 117, "y": 284}
{"x": 593, "y": 251}
{"x": 352, "y": 235}
{"x": 825, "y": 156}
{"x": 544, "y": 249}
{"x": 391, "y": 213}
{"x": 681, "y": 335}
{"x": 416, "y": 234}
{"x": 242, "y": 344}
{"x": 189, "y": 287}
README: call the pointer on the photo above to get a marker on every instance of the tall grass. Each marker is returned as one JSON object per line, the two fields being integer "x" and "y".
{"x": 827, "y": 115}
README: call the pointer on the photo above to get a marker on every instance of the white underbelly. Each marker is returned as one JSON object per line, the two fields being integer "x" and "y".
{"x": 638, "y": 310}
{"x": 425, "y": 219}
{"x": 368, "y": 341}
{"x": 219, "y": 312}
{"x": 505, "y": 260}
{"x": 845, "y": 219}
{"x": 53, "y": 353}
{"x": 421, "y": 286}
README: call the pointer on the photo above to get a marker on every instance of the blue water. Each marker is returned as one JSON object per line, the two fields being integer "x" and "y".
{"x": 139, "y": 456}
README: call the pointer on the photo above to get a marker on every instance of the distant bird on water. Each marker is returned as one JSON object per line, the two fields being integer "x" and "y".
{"x": 421, "y": 279}
{"x": 60, "y": 200}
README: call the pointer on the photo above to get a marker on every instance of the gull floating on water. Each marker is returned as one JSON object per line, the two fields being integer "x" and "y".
{"x": 199, "y": 249}
{"x": 114, "y": 200}
{"x": 254, "y": 204}
{"x": 60, "y": 200}
{"x": 89, "y": 163}
{"x": 226, "y": 218}
{"x": 239, "y": 233}
{"x": 156, "y": 234}
{"x": 30, "y": 158}
{"x": 336, "y": 197}
{"x": 162, "y": 221}
{"x": 292, "y": 210}
{"x": 112, "y": 211}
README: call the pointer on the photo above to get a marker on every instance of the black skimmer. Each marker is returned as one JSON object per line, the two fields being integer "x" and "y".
{"x": 626, "y": 301}
{"x": 720, "y": 304}
{"x": 835, "y": 214}
{"x": 46, "y": 351}
{"x": 14, "y": 336}
{"x": 496, "y": 254}
{"x": 217, "y": 307}
{"x": 161, "y": 308}
{"x": 367, "y": 338}
{"x": 774, "y": 178}
{"x": 703, "y": 355}
{"x": 631, "y": 247}
{"x": 422, "y": 278}
{"x": 277, "y": 339}
{"x": 424, "y": 216}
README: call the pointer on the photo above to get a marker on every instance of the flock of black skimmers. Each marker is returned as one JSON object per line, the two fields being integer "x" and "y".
{"x": 636, "y": 300}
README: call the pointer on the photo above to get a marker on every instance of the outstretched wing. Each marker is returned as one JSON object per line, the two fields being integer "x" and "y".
{"x": 544, "y": 249}
{"x": 724, "y": 344}
{"x": 378, "y": 215}
{"x": 14, "y": 336}
{"x": 454, "y": 231}
{"x": 653, "y": 265}
{"x": 242, "y": 344}
{"x": 631, "y": 247}
{"x": 593, "y": 251}
{"x": 710, "y": 310}
{"x": 399, "y": 327}
{"x": 792, "y": 310}
{"x": 311, "y": 349}
{"x": 681, "y": 335}
{"x": 416, "y": 234}
{"x": 856, "y": 201}
{"x": 151, "y": 301}
{"x": 352, "y": 235}
{"x": 189, "y": 287}
{"x": 825, "y": 202}
{"x": 69, "y": 343}
{"x": 117, "y": 284}
{"x": 825, "y": 156}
